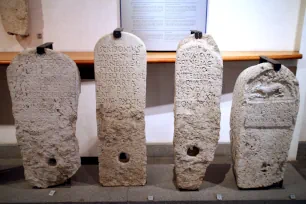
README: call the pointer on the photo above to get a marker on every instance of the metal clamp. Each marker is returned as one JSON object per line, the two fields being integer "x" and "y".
{"x": 117, "y": 32}
{"x": 276, "y": 65}
{"x": 41, "y": 48}
{"x": 197, "y": 34}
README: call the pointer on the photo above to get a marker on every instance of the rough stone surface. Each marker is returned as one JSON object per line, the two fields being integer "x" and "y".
{"x": 198, "y": 88}
{"x": 264, "y": 110}
{"x": 120, "y": 73}
{"x": 44, "y": 90}
{"x": 15, "y": 16}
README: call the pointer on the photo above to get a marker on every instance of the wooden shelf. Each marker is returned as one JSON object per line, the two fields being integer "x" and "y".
{"x": 169, "y": 57}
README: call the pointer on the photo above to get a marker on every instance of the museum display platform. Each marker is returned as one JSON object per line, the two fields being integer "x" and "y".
{"x": 85, "y": 187}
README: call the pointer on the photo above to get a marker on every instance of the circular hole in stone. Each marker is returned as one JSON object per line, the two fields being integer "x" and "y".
{"x": 124, "y": 157}
{"x": 52, "y": 162}
{"x": 193, "y": 151}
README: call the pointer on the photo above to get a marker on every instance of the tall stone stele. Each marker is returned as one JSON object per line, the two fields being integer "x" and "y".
{"x": 15, "y": 16}
{"x": 120, "y": 73}
{"x": 198, "y": 88}
{"x": 264, "y": 110}
{"x": 44, "y": 90}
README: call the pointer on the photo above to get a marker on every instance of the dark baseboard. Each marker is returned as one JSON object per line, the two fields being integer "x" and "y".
{"x": 188, "y": 202}
{"x": 301, "y": 153}
{"x": 9, "y": 151}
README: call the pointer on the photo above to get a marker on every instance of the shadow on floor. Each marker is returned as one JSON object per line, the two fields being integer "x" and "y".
{"x": 86, "y": 175}
{"x": 300, "y": 166}
{"x": 216, "y": 173}
{"x": 11, "y": 175}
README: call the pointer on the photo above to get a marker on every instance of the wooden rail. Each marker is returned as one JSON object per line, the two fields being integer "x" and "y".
{"x": 169, "y": 57}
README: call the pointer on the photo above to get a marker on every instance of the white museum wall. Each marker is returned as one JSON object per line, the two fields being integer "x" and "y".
{"x": 236, "y": 25}
{"x": 254, "y": 25}
{"x": 301, "y": 74}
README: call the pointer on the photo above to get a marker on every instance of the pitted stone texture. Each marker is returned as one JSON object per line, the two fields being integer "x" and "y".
{"x": 120, "y": 73}
{"x": 45, "y": 91}
{"x": 264, "y": 110}
{"x": 15, "y": 16}
{"x": 198, "y": 88}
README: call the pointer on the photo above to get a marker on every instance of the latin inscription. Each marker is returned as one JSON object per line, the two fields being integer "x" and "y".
{"x": 42, "y": 89}
{"x": 120, "y": 75}
{"x": 269, "y": 115}
{"x": 198, "y": 79}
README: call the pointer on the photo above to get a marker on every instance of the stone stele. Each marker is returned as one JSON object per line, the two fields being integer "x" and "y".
{"x": 198, "y": 88}
{"x": 44, "y": 90}
{"x": 120, "y": 73}
{"x": 264, "y": 110}
{"x": 15, "y": 16}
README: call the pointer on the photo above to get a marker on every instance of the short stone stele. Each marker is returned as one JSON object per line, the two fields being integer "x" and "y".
{"x": 264, "y": 110}
{"x": 120, "y": 73}
{"x": 44, "y": 90}
{"x": 198, "y": 88}
{"x": 15, "y": 16}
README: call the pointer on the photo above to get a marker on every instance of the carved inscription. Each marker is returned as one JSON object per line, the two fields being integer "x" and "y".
{"x": 120, "y": 73}
{"x": 270, "y": 114}
{"x": 197, "y": 76}
{"x": 198, "y": 84}
{"x": 44, "y": 91}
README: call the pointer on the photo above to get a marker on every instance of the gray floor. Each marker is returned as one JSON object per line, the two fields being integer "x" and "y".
{"x": 84, "y": 186}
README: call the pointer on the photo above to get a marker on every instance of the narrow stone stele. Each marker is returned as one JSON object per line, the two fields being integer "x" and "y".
{"x": 198, "y": 88}
{"x": 44, "y": 90}
{"x": 15, "y": 16}
{"x": 120, "y": 73}
{"x": 264, "y": 110}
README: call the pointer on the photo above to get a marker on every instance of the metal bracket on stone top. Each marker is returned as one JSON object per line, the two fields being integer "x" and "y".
{"x": 277, "y": 65}
{"x": 41, "y": 48}
{"x": 197, "y": 34}
{"x": 117, "y": 32}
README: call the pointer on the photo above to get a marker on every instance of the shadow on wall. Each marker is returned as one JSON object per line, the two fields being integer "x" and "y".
{"x": 160, "y": 84}
{"x": 36, "y": 26}
{"x": 6, "y": 116}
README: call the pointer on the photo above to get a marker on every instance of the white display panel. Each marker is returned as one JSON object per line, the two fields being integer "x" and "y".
{"x": 161, "y": 24}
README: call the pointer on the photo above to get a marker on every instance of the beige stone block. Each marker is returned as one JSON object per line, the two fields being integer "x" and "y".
{"x": 263, "y": 115}
{"x": 15, "y": 16}
{"x": 44, "y": 90}
{"x": 120, "y": 73}
{"x": 198, "y": 88}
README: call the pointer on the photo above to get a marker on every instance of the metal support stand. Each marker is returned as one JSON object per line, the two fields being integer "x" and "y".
{"x": 277, "y": 65}
{"x": 41, "y": 48}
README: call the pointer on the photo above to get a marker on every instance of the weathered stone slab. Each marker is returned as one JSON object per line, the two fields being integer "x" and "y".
{"x": 198, "y": 88}
{"x": 264, "y": 110}
{"x": 15, "y": 16}
{"x": 45, "y": 91}
{"x": 120, "y": 73}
